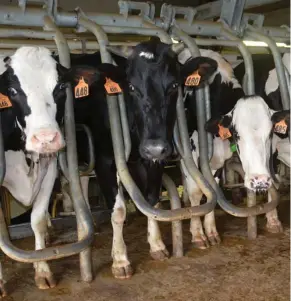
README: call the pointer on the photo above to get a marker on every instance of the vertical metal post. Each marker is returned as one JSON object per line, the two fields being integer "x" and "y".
{"x": 83, "y": 215}
{"x": 177, "y": 231}
{"x": 251, "y": 220}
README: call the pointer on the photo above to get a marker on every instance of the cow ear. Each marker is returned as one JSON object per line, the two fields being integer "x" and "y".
{"x": 115, "y": 73}
{"x": 203, "y": 65}
{"x": 75, "y": 73}
{"x": 211, "y": 125}
{"x": 281, "y": 116}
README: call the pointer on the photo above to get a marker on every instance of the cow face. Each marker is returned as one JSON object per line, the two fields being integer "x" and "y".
{"x": 154, "y": 77}
{"x": 30, "y": 82}
{"x": 251, "y": 125}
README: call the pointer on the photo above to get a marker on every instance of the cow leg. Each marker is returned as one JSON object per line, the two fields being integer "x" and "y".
{"x": 199, "y": 239}
{"x": 158, "y": 249}
{"x": 85, "y": 189}
{"x": 273, "y": 223}
{"x": 210, "y": 226}
{"x": 3, "y": 291}
{"x": 43, "y": 276}
{"x": 121, "y": 267}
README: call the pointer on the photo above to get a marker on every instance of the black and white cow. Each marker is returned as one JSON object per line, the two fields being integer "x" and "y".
{"x": 267, "y": 86}
{"x": 150, "y": 78}
{"x": 32, "y": 137}
{"x": 226, "y": 95}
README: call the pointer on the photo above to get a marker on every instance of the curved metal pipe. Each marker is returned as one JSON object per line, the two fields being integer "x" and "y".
{"x": 177, "y": 231}
{"x": 118, "y": 147}
{"x": 278, "y": 63}
{"x": 83, "y": 215}
{"x": 248, "y": 61}
{"x": 87, "y": 171}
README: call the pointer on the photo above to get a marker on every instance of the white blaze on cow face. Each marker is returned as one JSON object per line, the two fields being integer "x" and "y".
{"x": 252, "y": 121}
{"x": 37, "y": 74}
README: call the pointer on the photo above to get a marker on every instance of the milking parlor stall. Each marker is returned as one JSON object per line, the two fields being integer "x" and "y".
{"x": 145, "y": 150}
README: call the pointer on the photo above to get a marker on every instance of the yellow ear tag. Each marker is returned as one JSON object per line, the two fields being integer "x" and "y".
{"x": 223, "y": 132}
{"x": 281, "y": 127}
{"x": 4, "y": 102}
{"x": 193, "y": 79}
{"x": 111, "y": 86}
{"x": 82, "y": 89}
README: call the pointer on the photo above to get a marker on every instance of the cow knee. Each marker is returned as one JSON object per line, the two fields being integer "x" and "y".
{"x": 118, "y": 215}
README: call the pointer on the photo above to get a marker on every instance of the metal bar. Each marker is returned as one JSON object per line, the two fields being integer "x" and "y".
{"x": 231, "y": 13}
{"x": 33, "y": 17}
{"x": 249, "y": 67}
{"x": 83, "y": 214}
{"x": 87, "y": 171}
{"x": 118, "y": 145}
{"x": 177, "y": 231}
{"x": 208, "y": 116}
{"x": 278, "y": 63}
{"x": 252, "y": 220}
{"x": 74, "y": 45}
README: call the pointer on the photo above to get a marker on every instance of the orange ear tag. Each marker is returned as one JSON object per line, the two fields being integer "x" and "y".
{"x": 223, "y": 132}
{"x": 112, "y": 87}
{"x": 4, "y": 102}
{"x": 82, "y": 89}
{"x": 281, "y": 127}
{"x": 193, "y": 79}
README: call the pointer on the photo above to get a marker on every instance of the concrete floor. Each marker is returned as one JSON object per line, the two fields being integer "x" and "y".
{"x": 236, "y": 270}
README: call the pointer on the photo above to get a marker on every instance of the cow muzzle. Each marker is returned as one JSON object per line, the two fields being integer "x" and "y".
{"x": 155, "y": 150}
{"x": 260, "y": 183}
{"x": 46, "y": 141}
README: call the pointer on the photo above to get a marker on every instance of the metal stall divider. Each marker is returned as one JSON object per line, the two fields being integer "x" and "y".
{"x": 154, "y": 213}
{"x": 84, "y": 220}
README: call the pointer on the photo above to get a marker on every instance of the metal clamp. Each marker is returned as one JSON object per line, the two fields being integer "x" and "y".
{"x": 147, "y": 9}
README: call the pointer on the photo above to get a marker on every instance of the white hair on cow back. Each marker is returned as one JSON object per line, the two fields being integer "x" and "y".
{"x": 223, "y": 68}
{"x": 147, "y": 55}
{"x": 272, "y": 83}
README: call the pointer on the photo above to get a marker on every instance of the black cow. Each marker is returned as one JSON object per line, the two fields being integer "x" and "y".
{"x": 150, "y": 81}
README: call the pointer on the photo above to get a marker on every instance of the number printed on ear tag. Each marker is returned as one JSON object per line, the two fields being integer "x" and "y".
{"x": 281, "y": 127}
{"x": 112, "y": 87}
{"x": 223, "y": 132}
{"x": 4, "y": 102}
{"x": 82, "y": 89}
{"x": 193, "y": 79}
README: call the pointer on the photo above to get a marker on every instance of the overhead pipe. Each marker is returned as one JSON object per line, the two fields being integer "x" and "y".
{"x": 118, "y": 143}
{"x": 33, "y": 17}
{"x": 255, "y": 33}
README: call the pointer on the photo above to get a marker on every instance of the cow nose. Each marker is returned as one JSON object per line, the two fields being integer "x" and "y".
{"x": 260, "y": 182}
{"x": 155, "y": 150}
{"x": 45, "y": 136}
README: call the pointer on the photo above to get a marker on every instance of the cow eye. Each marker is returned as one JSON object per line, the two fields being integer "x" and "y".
{"x": 131, "y": 87}
{"x": 175, "y": 85}
{"x": 12, "y": 91}
{"x": 62, "y": 86}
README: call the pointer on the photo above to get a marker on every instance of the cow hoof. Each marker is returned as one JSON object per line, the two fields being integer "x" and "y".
{"x": 274, "y": 227}
{"x": 44, "y": 280}
{"x": 3, "y": 292}
{"x": 200, "y": 242}
{"x": 122, "y": 272}
{"x": 160, "y": 255}
{"x": 214, "y": 238}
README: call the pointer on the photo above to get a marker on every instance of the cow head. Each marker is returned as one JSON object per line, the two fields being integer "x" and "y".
{"x": 251, "y": 124}
{"x": 30, "y": 82}
{"x": 154, "y": 77}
